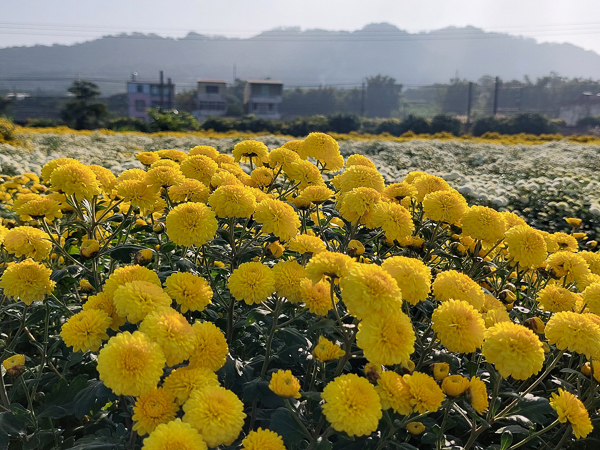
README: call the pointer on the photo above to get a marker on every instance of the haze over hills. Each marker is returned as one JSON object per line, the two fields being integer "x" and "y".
{"x": 298, "y": 58}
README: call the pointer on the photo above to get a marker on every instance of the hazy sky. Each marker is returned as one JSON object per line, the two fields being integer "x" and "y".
{"x": 30, "y": 22}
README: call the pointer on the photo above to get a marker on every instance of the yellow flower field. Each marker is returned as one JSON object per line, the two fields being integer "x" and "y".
{"x": 291, "y": 294}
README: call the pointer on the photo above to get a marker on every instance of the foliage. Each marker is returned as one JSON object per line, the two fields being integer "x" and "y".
{"x": 446, "y": 123}
{"x": 171, "y": 120}
{"x": 57, "y": 399}
{"x": 383, "y": 96}
{"x": 40, "y": 123}
{"x": 530, "y": 123}
{"x": 128, "y": 124}
{"x": 82, "y": 112}
{"x": 7, "y": 130}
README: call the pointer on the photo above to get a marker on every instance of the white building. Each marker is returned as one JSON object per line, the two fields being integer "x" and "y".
{"x": 263, "y": 98}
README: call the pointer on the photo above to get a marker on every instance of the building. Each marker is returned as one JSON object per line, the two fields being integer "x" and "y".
{"x": 586, "y": 105}
{"x": 143, "y": 95}
{"x": 263, "y": 98}
{"x": 210, "y": 99}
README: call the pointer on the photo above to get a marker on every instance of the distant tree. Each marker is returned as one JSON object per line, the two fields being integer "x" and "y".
{"x": 83, "y": 112}
{"x": 171, "y": 120}
{"x": 4, "y": 105}
{"x": 383, "y": 96}
{"x": 447, "y": 123}
{"x": 186, "y": 101}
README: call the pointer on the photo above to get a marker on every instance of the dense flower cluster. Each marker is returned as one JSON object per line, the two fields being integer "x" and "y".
{"x": 210, "y": 300}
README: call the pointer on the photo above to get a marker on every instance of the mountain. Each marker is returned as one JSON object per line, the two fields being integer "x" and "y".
{"x": 298, "y": 58}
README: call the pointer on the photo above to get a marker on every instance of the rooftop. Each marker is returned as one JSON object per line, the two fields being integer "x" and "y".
{"x": 211, "y": 80}
{"x": 264, "y": 82}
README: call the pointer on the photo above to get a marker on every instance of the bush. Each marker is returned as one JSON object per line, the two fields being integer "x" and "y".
{"x": 417, "y": 125}
{"x": 446, "y": 123}
{"x": 128, "y": 124}
{"x": 41, "y": 123}
{"x": 528, "y": 123}
{"x": 343, "y": 123}
{"x": 589, "y": 122}
{"x": 390, "y": 126}
{"x": 171, "y": 120}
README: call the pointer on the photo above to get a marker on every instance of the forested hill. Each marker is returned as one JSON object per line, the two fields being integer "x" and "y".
{"x": 307, "y": 58}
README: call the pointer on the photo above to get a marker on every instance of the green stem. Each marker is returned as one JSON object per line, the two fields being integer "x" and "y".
{"x": 278, "y": 305}
{"x": 534, "y": 435}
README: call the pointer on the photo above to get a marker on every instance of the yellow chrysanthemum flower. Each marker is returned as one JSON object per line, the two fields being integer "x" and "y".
{"x": 352, "y": 405}
{"x": 324, "y": 149}
{"x": 174, "y": 435}
{"x": 191, "y": 292}
{"x": 399, "y": 191}
{"x": 200, "y": 168}
{"x": 458, "y": 286}
{"x": 172, "y": 332}
{"x": 368, "y": 289}
{"x": 566, "y": 242}
{"x": 316, "y": 194}
{"x": 394, "y": 393}
{"x": 28, "y": 281}
{"x": 455, "y": 385}
{"x": 232, "y": 201}
{"x": 277, "y": 217}
{"x": 136, "y": 299}
{"x": 105, "y": 177}
{"x": 175, "y": 155}
{"x": 325, "y": 350}
{"x": 304, "y": 173}
{"x": 569, "y": 265}
{"x": 127, "y": 274}
{"x": 483, "y": 223}
{"x": 249, "y": 150}
{"x": 153, "y": 408}
{"x": 514, "y": 350}
{"x": 282, "y": 157}
{"x": 262, "y": 176}
{"x": 191, "y": 224}
{"x": 394, "y": 220}
{"x": 205, "y": 150}
{"x": 75, "y": 179}
{"x": 217, "y": 414}
{"x": 29, "y": 242}
{"x": 305, "y": 243}
{"x": 51, "y": 166}
{"x": 328, "y": 264}
{"x": 252, "y": 282}
{"x": 386, "y": 338}
{"x": 554, "y": 298}
{"x": 412, "y": 276}
{"x": 263, "y": 440}
{"x": 526, "y": 245}
{"x": 138, "y": 193}
{"x": 288, "y": 275}
{"x": 459, "y": 326}
{"x": 359, "y": 160}
{"x": 181, "y": 382}
{"x": 493, "y": 316}
{"x": 147, "y": 158}
{"x": 211, "y": 347}
{"x": 284, "y": 384}
{"x": 359, "y": 205}
{"x": 593, "y": 260}
{"x": 415, "y": 428}
{"x": 570, "y": 408}
{"x": 189, "y": 191}
{"x": 426, "y": 184}
{"x": 591, "y": 297}
{"x": 131, "y": 364}
{"x": 426, "y": 394}
{"x": 445, "y": 206}
{"x": 86, "y": 330}
{"x": 361, "y": 176}
{"x": 478, "y": 395}
{"x": 575, "y": 332}
{"x": 316, "y": 297}
{"x": 40, "y": 208}
{"x": 103, "y": 302}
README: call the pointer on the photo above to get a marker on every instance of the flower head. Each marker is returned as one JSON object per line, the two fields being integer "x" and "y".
{"x": 426, "y": 184}
{"x": 131, "y": 364}
{"x": 126, "y": 274}
{"x": 174, "y": 434}
{"x": 352, "y": 405}
{"x": 316, "y": 297}
{"x": 252, "y": 282}
{"x": 86, "y": 330}
{"x": 478, "y": 394}
{"x": 189, "y": 191}
{"x": 386, "y": 338}
{"x": 526, "y": 245}
{"x": 394, "y": 393}
{"x": 554, "y": 298}
{"x": 191, "y": 292}
{"x": 211, "y": 347}
{"x": 569, "y": 265}
{"x": 263, "y": 440}
{"x": 136, "y": 299}
{"x": 29, "y": 242}
{"x": 361, "y": 176}
{"x": 445, "y": 206}
{"x": 217, "y": 414}
{"x": 14, "y": 365}
{"x": 412, "y": 276}
{"x": 394, "y": 220}
{"x": 570, "y": 408}
{"x": 458, "y": 286}
{"x": 200, "y": 168}
{"x": 40, "y": 208}
{"x": 191, "y": 224}
{"x": 172, "y": 332}
{"x": 277, "y": 217}
{"x": 232, "y": 201}
{"x": 415, "y": 428}
{"x": 440, "y": 370}
{"x": 575, "y": 332}
{"x": 284, "y": 384}
{"x": 138, "y": 193}
{"x": 305, "y": 243}
{"x": 28, "y": 281}
{"x": 181, "y": 382}
{"x": 325, "y": 350}
{"x": 514, "y": 350}
{"x": 153, "y": 408}
{"x": 591, "y": 297}
{"x": 75, "y": 179}
{"x": 103, "y": 302}
{"x": 483, "y": 223}
{"x": 358, "y": 205}
{"x": 328, "y": 264}
{"x": 459, "y": 326}
{"x": 455, "y": 385}
{"x": 288, "y": 275}
{"x": 324, "y": 149}
{"x": 426, "y": 394}
{"x": 249, "y": 150}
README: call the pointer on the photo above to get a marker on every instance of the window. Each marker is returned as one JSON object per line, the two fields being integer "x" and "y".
{"x": 255, "y": 106}
{"x": 270, "y": 106}
{"x": 155, "y": 90}
{"x": 140, "y": 105}
{"x": 140, "y": 88}
{"x": 264, "y": 90}
{"x": 212, "y": 89}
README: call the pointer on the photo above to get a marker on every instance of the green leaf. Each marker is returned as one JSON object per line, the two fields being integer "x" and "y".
{"x": 283, "y": 423}
{"x": 168, "y": 247}
{"x": 125, "y": 253}
{"x": 506, "y": 440}
{"x": 93, "y": 397}
{"x": 535, "y": 409}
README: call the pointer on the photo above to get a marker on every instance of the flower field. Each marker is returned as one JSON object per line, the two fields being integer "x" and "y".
{"x": 192, "y": 292}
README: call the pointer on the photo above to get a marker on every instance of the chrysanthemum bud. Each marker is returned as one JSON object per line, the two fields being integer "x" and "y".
{"x": 355, "y": 248}
{"x": 575, "y": 223}
{"x": 440, "y": 371}
{"x": 89, "y": 248}
{"x": 373, "y": 372}
{"x": 275, "y": 250}
{"x": 506, "y": 296}
{"x": 591, "y": 244}
{"x": 455, "y": 385}
{"x": 158, "y": 228}
{"x": 14, "y": 365}
{"x": 586, "y": 369}
{"x": 143, "y": 257}
{"x": 415, "y": 428}
{"x": 535, "y": 324}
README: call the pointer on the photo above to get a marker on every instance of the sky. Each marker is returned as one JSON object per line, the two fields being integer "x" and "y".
{"x": 31, "y": 22}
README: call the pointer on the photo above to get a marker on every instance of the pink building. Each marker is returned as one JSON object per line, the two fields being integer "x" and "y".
{"x": 143, "y": 95}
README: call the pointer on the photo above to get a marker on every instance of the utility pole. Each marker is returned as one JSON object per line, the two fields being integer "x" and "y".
{"x": 234, "y": 75}
{"x": 170, "y": 94}
{"x": 362, "y": 99}
{"x": 469, "y": 99}
{"x": 162, "y": 92}
{"x": 496, "y": 89}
